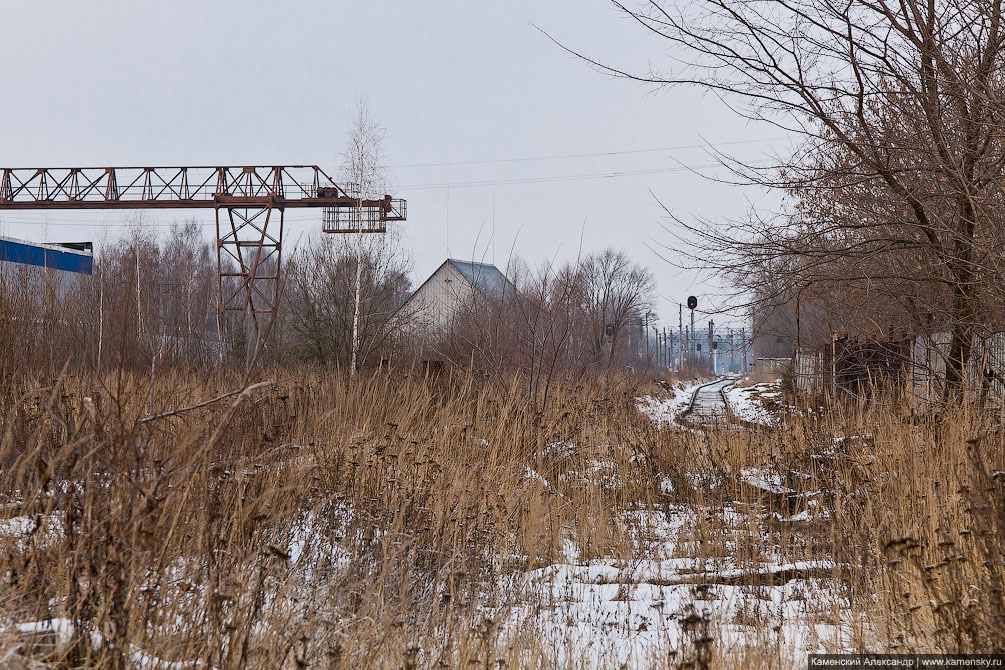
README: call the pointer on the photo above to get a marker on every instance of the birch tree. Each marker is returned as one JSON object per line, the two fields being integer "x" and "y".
{"x": 323, "y": 283}
{"x": 364, "y": 175}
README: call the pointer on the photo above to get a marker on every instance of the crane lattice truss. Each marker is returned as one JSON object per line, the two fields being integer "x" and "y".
{"x": 253, "y": 200}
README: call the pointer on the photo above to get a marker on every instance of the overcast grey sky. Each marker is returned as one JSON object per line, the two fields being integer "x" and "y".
{"x": 462, "y": 82}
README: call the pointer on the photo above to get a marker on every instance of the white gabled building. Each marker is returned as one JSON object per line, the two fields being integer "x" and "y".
{"x": 439, "y": 300}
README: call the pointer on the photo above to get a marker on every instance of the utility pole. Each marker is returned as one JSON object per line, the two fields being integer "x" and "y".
{"x": 680, "y": 336}
{"x": 743, "y": 334}
{"x": 711, "y": 351}
{"x": 656, "y": 347}
{"x": 694, "y": 339}
{"x": 655, "y": 354}
{"x": 686, "y": 356}
{"x": 645, "y": 335}
{"x": 667, "y": 349}
{"x": 732, "y": 361}
{"x": 659, "y": 348}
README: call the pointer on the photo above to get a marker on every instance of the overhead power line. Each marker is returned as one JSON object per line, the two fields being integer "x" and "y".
{"x": 588, "y": 155}
{"x": 103, "y": 223}
{"x": 569, "y": 177}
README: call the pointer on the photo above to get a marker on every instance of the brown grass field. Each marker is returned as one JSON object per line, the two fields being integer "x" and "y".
{"x": 396, "y": 521}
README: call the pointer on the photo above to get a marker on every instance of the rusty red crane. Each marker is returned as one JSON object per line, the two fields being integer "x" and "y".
{"x": 249, "y": 233}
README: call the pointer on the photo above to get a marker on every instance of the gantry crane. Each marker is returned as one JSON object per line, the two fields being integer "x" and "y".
{"x": 249, "y": 232}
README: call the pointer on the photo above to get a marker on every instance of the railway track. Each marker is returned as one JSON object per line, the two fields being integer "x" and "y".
{"x": 708, "y": 407}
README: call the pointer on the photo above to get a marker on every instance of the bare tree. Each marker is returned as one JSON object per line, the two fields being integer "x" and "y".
{"x": 149, "y": 301}
{"x": 364, "y": 172}
{"x": 553, "y": 320}
{"x": 341, "y": 309}
{"x": 617, "y": 292}
{"x": 900, "y": 101}
{"x": 158, "y": 296}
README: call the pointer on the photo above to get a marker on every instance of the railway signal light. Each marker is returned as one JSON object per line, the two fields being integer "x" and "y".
{"x": 692, "y": 302}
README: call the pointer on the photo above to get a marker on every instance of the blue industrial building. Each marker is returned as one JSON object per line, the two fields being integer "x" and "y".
{"x": 73, "y": 257}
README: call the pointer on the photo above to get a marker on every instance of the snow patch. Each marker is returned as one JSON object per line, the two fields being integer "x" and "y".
{"x": 745, "y": 402}
{"x": 632, "y": 613}
{"x": 665, "y": 411}
{"x": 766, "y": 481}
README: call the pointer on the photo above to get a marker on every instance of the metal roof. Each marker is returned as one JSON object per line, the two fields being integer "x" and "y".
{"x": 487, "y": 279}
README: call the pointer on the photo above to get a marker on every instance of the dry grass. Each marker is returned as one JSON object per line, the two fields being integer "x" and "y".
{"x": 389, "y": 522}
{"x": 907, "y": 508}
{"x": 207, "y": 534}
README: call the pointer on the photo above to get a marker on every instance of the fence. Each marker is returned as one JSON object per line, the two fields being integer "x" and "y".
{"x": 916, "y": 363}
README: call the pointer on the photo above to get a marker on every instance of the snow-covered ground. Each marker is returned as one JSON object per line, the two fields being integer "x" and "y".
{"x": 747, "y": 404}
{"x": 641, "y": 612}
{"x": 15, "y": 531}
{"x": 637, "y": 613}
{"x": 61, "y": 633}
{"x": 664, "y": 411}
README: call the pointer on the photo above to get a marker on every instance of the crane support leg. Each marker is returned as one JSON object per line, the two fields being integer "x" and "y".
{"x": 249, "y": 261}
